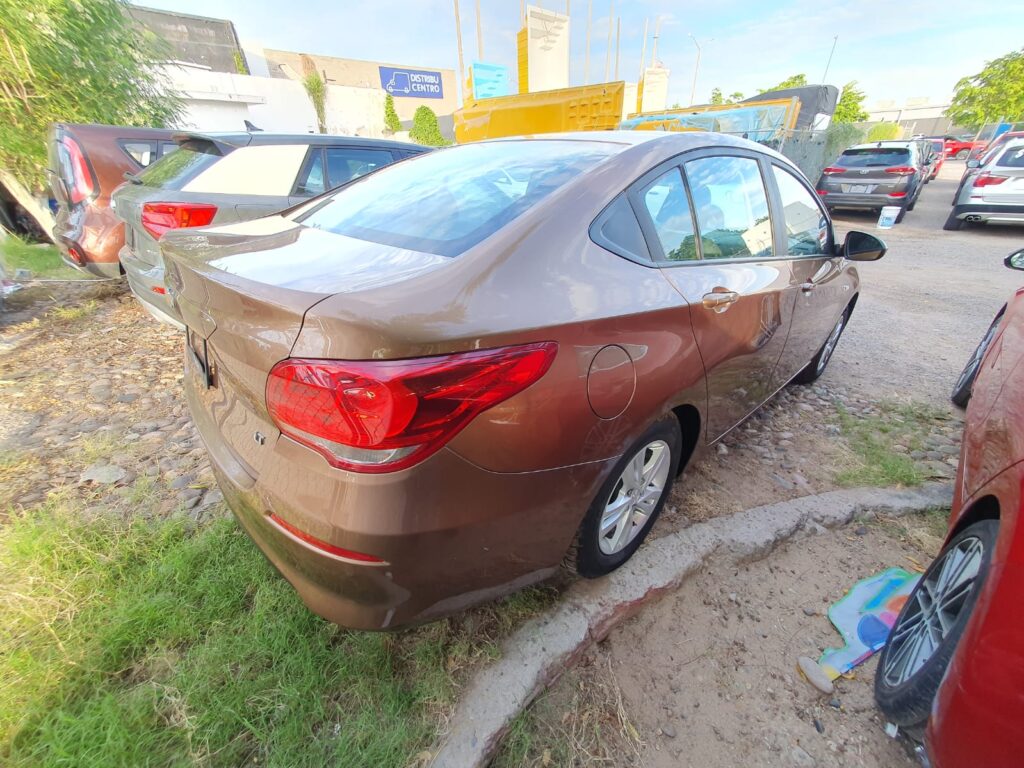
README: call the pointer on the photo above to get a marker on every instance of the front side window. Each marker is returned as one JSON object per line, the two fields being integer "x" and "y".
{"x": 447, "y": 201}
{"x": 806, "y": 225}
{"x": 731, "y": 204}
{"x": 344, "y": 164}
{"x": 665, "y": 199}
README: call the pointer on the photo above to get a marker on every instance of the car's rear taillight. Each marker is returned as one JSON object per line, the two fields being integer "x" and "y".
{"x": 821, "y": 192}
{"x": 82, "y": 186}
{"x": 902, "y": 170}
{"x": 988, "y": 180}
{"x": 897, "y": 194}
{"x": 833, "y": 169}
{"x": 385, "y": 415}
{"x": 158, "y": 218}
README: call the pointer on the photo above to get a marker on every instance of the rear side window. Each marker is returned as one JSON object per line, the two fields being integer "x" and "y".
{"x": 872, "y": 157}
{"x": 345, "y": 164}
{"x": 447, "y": 201}
{"x": 618, "y": 230}
{"x": 142, "y": 152}
{"x": 174, "y": 170}
{"x": 731, "y": 204}
{"x": 1012, "y": 158}
{"x": 312, "y": 182}
{"x": 806, "y": 225}
{"x": 665, "y": 199}
{"x": 265, "y": 169}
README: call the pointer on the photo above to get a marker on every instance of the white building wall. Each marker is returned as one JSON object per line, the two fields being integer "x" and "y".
{"x": 547, "y": 41}
{"x": 220, "y": 101}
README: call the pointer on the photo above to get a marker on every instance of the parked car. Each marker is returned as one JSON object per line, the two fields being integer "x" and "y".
{"x": 86, "y": 164}
{"x": 929, "y": 158}
{"x": 938, "y": 157}
{"x": 995, "y": 193}
{"x": 958, "y": 147}
{"x": 953, "y": 666}
{"x": 984, "y": 147}
{"x": 423, "y": 390}
{"x": 871, "y": 176}
{"x": 224, "y": 178}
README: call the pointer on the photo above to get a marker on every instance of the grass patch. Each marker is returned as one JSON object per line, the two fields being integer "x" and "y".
{"x": 134, "y": 642}
{"x": 42, "y": 261}
{"x": 924, "y": 531}
{"x": 74, "y": 312}
{"x": 874, "y": 440}
{"x": 99, "y": 446}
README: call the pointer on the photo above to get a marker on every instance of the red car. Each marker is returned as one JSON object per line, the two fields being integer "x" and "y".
{"x": 940, "y": 158}
{"x": 953, "y": 667}
{"x": 957, "y": 148}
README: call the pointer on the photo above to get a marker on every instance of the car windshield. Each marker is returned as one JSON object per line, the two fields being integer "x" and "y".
{"x": 174, "y": 170}
{"x": 448, "y": 201}
{"x": 874, "y": 156}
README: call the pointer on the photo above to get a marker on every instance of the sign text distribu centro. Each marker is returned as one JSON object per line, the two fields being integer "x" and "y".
{"x": 411, "y": 83}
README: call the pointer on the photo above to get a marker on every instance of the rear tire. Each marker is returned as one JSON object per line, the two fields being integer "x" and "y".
{"x": 953, "y": 224}
{"x": 905, "y": 685}
{"x": 965, "y": 383}
{"x": 903, "y": 213}
{"x": 652, "y": 461}
{"x": 820, "y": 361}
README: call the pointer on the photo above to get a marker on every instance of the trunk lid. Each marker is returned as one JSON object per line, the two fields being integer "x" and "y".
{"x": 243, "y": 290}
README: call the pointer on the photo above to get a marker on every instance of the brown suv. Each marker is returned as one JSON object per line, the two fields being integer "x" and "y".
{"x": 87, "y": 162}
{"x": 425, "y": 389}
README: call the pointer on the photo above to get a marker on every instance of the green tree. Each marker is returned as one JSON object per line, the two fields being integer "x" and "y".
{"x": 316, "y": 89}
{"x": 716, "y": 96}
{"x": 995, "y": 93}
{"x": 78, "y": 61}
{"x": 884, "y": 131}
{"x": 793, "y": 81}
{"x": 391, "y": 121}
{"x": 425, "y": 129}
{"x": 849, "y": 108}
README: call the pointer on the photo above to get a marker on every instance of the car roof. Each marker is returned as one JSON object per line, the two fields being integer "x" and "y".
{"x": 905, "y": 144}
{"x": 681, "y": 140}
{"x": 262, "y": 138}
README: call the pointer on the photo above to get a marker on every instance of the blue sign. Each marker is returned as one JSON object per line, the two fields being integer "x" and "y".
{"x": 413, "y": 83}
{"x": 489, "y": 80}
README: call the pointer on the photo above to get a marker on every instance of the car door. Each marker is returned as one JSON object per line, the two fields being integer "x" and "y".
{"x": 824, "y": 289}
{"x": 708, "y": 224}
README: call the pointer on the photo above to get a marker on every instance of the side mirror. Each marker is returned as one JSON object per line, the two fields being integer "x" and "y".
{"x": 973, "y": 163}
{"x": 860, "y": 246}
{"x": 1015, "y": 260}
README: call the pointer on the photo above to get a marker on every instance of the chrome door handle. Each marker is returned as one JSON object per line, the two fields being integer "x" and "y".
{"x": 808, "y": 287}
{"x": 719, "y": 301}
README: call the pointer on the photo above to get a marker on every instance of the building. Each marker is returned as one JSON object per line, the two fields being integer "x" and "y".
{"x": 916, "y": 115}
{"x": 411, "y": 86}
{"x": 206, "y": 42}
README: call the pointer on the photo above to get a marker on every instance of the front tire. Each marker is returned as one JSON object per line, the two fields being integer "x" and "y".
{"x": 965, "y": 383}
{"x": 913, "y": 662}
{"x": 953, "y": 224}
{"x": 629, "y": 501}
{"x": 962, "y": 154}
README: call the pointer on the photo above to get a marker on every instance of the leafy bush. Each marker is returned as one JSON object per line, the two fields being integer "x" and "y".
{"x": 317, "y": 92}
{"x": 391, "y": 121}
{"x": 425, "y": 129}
{"x": 76, "y": 61}
{"x": 885, "y": 131}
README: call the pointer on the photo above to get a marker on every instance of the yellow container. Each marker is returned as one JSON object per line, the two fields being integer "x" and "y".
{"x": 585, "y": 108}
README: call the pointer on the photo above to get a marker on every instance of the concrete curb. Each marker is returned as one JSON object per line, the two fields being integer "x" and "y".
{"x": 541, "y": 650}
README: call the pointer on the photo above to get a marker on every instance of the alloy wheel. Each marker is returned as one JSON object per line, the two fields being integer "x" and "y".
{"x": 830, "y": 344}
{"x": 634, "y": 497}
{"x": 935, "y": 609}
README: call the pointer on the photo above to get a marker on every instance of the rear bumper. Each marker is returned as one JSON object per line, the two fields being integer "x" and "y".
{"x": 991, "y": 212}
{"x": 451, "y": 534}
{"x": 861, "y": 202}
{"x": 143, "y": 279}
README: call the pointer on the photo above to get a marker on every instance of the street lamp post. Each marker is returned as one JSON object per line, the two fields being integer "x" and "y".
{"x": 696, "y": 67}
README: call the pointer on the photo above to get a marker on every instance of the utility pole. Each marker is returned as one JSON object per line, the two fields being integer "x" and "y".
{"x": 828, "y": 64}
{"x": 479, "y": 35}
{"x": 696, "y": 68}
{"x": 458, "y": 37}
{"x": 657, "y": 34}
{"x": 618, "y": 32}
{"x": 586, "y": 65}
{"x": 643, "y": 52}
{"x": 608, "y": 48}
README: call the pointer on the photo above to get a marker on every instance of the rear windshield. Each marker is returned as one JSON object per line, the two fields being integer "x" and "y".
{"x": 448, "y": 201}
{"x": 175, "y": 170}
{"x": 1012, "y": 158}
{"x": 874, "y": 156}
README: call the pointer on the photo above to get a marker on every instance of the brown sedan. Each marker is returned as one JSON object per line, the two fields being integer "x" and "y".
{"x": 426, "y": 389}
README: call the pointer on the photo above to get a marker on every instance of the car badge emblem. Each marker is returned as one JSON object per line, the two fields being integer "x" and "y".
{"x": 863, "y": 173}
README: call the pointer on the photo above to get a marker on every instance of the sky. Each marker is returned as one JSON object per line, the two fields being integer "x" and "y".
{"x": 896, "y": 50}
